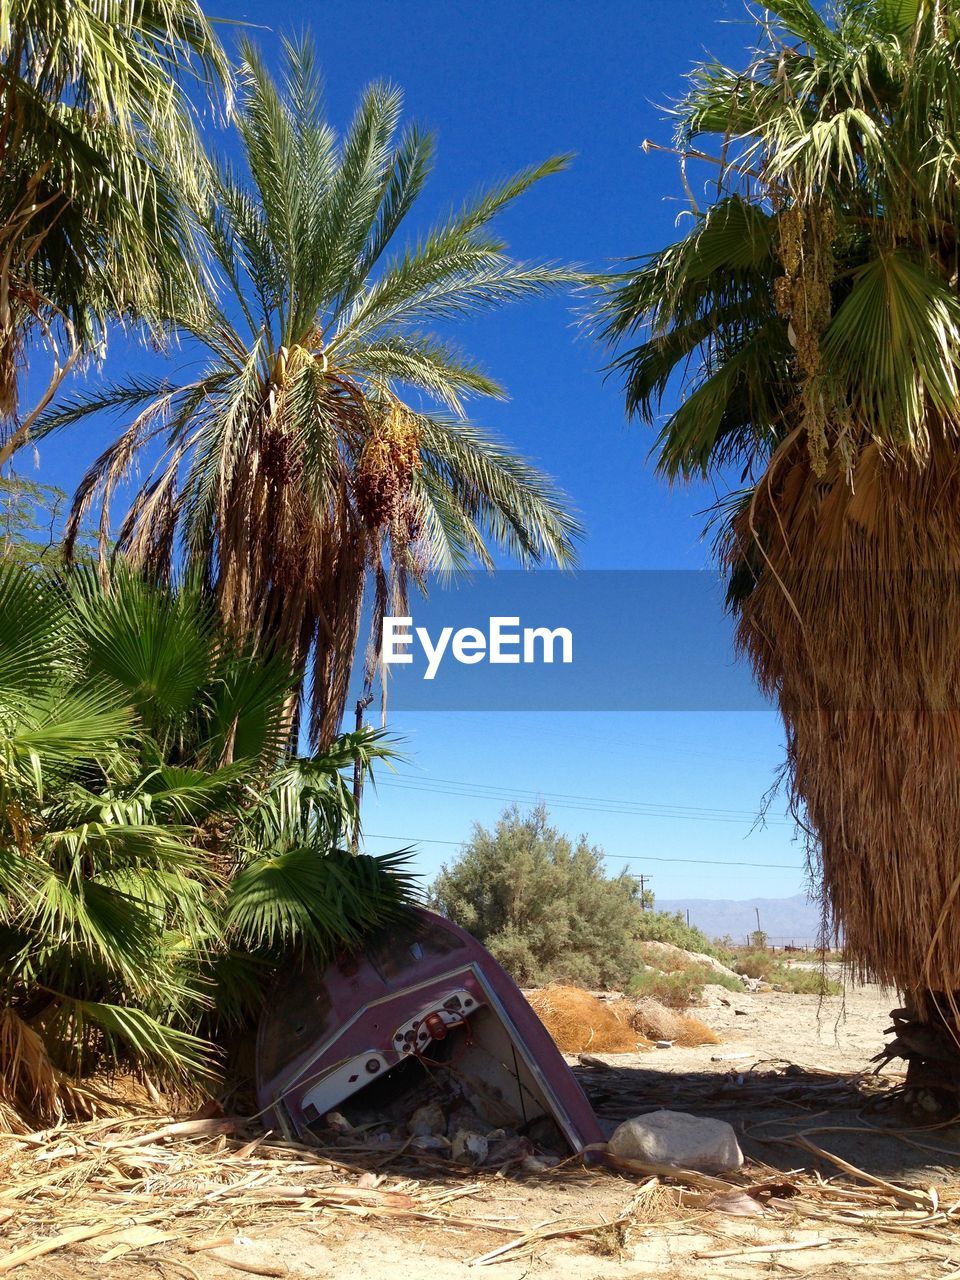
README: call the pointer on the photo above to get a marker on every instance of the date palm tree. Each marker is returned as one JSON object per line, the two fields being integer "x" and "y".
{"x": 325, "y": 442}
{"x": 812, "y": 317}
{"x": 96, "y": 142}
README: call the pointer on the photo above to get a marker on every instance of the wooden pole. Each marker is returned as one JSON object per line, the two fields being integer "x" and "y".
{"x": 362, "y": 705}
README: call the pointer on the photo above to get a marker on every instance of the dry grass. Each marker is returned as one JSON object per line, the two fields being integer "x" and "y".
{"x": 657, "y": 1022}
{"x": 30, "y": 1085}
{"x": 578, "y": 1021}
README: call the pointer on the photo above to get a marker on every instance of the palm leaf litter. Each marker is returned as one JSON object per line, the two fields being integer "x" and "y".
{"x": 178, "y": 1192}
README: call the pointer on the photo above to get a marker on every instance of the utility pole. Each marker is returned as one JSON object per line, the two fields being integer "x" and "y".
{"x": 362, "y": 705}
{"x": 643, "y": 891}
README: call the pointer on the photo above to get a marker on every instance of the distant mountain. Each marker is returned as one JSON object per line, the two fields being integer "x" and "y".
{"x": 783, "y": 920}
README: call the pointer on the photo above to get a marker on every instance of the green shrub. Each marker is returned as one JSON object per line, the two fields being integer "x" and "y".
{"x": 726, "y": 980}
{"x": 805, "y": 982}
{"x": 676, "y": 990}
{"x": 544, "y": 905}
{"x": 670, "y": 926}
{"x": 755, "y": 964}
{"x": 765, "y": 966}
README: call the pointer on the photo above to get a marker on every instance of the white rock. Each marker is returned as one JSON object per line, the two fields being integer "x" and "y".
{"x": 678, "y": 1139}
{"x": 469, "y": 1147}
{"x": 427, "y": 1120}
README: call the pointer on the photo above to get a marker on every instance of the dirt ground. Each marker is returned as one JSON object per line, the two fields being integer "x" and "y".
{"x": 653, "y": 1230}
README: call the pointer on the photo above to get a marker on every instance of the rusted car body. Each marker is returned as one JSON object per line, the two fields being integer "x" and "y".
{"x": 428, "y": 1005}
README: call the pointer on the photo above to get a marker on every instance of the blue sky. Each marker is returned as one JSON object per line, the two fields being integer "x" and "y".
{"x": 504, "y": 83}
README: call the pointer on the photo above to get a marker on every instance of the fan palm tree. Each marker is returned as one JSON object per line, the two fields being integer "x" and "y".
{"x": 326, "y": 440}
{"x": 812, "y": 316}
{"x": 96, "y": 141}
{"x": 160, "y": 856}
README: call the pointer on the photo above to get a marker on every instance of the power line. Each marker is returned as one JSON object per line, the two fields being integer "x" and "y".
{"x": 628, "y": 808}
{"x": 618, "y": 857}
{"x": 563, "y": 795}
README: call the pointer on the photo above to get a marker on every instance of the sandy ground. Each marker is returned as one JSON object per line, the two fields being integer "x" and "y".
{"x": 654, "y": 1236}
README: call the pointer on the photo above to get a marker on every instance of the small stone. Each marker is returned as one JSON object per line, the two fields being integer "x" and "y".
{"x": 546, "y": 1136}
{"x": 430, "y": 1142}
{"x": 508, "y": 1151}
{"x": 427, "y": 1120}
{"x": 469, "y": 1147}
{"x": 737, "y": 1203}
{"x": 464, "y": 1117}
{"x": 678, "y": 1139}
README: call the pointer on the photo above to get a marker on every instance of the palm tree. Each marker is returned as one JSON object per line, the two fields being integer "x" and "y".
{"x": 812, "y": 314}
{"x": 326, "y": 440}
{"x": 160, "y": 856}
{"x": 95, "y": 142}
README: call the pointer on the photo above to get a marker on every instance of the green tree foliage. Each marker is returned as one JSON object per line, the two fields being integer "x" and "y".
{"x": 543, "y": 904}
{"x": 32, "y": 517}
{"x": 325, "y": 445}
{"x": 160, "y": 854}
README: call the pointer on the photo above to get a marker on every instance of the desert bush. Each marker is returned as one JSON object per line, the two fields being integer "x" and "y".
{"x": 766, "y": 966}
{"x": 805, "y": 982}
{"x": 677, "y": 990}
{"x": 543, "y": 905}
{"x": 653, "y": 958}
{"x": 682, "y": 987}
{"x": 670, "y": 926}
{"x": 755, "y": 964}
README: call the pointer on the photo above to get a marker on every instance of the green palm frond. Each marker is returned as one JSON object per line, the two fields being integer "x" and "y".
{"x": 800, "y": 18}
{"x": 31, "y": 631}
{"x": 155, "y": 646}
{"x": 317, "y": 901}
{"x": 491, "y": 490}
{"x": 818, "y": 291}
{"x": 894, "y": 342}
{"x": 98, "y": 150}
{"x": 142, "y": 764}
{"x": 128, "y": 1033}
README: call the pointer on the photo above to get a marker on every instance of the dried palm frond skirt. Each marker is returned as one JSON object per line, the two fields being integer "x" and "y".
{"x": 853, "y": 624}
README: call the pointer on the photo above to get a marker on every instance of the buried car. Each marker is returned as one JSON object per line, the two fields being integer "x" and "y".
{"x": 425, "y": 1016}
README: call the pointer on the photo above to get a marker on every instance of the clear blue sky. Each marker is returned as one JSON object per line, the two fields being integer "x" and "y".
{"x": 504, "y": 83}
